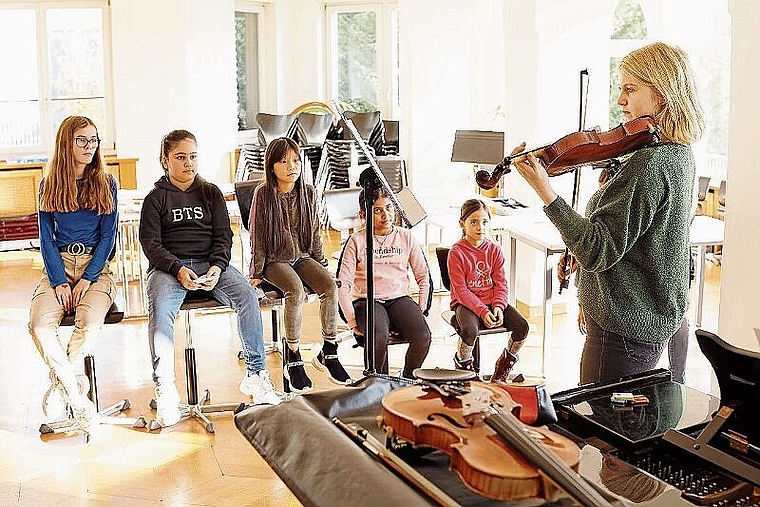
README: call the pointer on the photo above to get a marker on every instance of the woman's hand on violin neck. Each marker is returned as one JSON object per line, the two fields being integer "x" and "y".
{"x": 534, "y": 173}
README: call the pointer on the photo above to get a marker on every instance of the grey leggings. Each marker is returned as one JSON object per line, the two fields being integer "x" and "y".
{"x": 290, "y": 279}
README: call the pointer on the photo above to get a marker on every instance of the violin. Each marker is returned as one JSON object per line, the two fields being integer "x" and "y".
{"x": 494, "y": 454}
{"x": 581, "y": 148}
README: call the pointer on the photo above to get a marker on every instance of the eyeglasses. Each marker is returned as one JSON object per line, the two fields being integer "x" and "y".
{"x": 83, "y": 142}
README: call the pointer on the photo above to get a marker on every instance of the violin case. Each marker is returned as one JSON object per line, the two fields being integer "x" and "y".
{"x": 324, "y": 467}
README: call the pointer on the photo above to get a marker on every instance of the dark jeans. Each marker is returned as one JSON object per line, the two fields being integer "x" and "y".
{"x": 402, "y": 315}
{"x": 608, "y": 356}
{"x": 470, "y": 324}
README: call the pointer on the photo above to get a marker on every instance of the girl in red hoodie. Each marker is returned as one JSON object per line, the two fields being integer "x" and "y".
{"x": 479, "y": 292}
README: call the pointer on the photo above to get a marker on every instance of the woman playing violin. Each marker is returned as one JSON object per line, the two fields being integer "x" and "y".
{"x": 632, "y": 246}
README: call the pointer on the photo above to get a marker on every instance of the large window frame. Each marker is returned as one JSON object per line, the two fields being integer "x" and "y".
{"x": 255, "y": 98}
{"x": 44, "y": 95}
{"x": 387, "y": 50}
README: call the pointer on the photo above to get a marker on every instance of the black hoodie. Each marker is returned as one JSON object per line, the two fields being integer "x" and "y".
{"x": 193, "y": 224}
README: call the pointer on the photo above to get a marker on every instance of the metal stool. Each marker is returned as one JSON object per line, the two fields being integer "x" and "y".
{"x": 196, "y": 407}
{"x": 113, "y": 316}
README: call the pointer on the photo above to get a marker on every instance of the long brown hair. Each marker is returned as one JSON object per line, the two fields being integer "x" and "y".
{"x": 59, "y": 187}
{"x": 275, "y": 223}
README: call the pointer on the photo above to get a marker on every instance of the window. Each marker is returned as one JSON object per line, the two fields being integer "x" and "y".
{"x": 629, "y": 32}
{"x": 59, "y": 67}
{"x": 709, "y": 54}
{"x": 363, "y": 55}
{"x": 247, "y": 58}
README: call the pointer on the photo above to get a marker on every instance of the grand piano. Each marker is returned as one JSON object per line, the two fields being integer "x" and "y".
{"x": 682, "y": 448}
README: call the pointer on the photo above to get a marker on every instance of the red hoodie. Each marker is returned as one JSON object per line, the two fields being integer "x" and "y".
{"x": 477, "y": 276}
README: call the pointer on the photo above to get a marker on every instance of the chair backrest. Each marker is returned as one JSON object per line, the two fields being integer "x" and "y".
{"x": 393, "y": 168}
{"x": 442, "y": 254}
{"x": 244, "y": 196}
{"x": 273, "y": 126}
{"x": 313, "y": 128}
{"x": 391, "y": 142}
{"x": 704, "y": 184}
{"x": 365, "y": 123}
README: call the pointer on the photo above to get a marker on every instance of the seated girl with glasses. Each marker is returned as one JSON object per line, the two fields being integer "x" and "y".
{"x": 77, "y": 227}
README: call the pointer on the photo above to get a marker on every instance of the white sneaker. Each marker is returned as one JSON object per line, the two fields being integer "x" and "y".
{"x": 84, "y": 413}
{"x": 84, "y": 384}
{"x": 55, "y": 402}
{"x": 260, "y": 387}
{"x": 167, "y": 404}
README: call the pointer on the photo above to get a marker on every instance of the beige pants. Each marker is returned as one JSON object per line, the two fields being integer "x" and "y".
{"x": 46, "y": 312}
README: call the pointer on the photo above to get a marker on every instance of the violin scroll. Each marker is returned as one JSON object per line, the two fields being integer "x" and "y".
{"x": 487, "y": 180}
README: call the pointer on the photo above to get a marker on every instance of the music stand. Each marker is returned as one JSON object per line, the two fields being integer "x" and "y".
{"x": 409, "y": 209}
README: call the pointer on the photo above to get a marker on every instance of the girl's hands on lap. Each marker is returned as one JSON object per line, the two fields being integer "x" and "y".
{"x": 498, "y": 314}
{"x": 212, "y": 278}
{"x": 63, "y": 295}
{"x": 489, "y": 319}
{"x": 187, "y": 277}
{"x": 79, "y": 291}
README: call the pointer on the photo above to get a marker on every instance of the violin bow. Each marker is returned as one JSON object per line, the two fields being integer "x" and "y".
{"x": 398, "y": 466}
{"x": 582, "y": 109}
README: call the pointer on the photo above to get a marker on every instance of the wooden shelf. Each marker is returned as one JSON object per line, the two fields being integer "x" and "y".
{"x": 20, "y": 183}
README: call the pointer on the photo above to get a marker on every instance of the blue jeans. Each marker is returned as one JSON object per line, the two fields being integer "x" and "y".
{"x": 165, "y": 295}
{"x": 608, "y": 356}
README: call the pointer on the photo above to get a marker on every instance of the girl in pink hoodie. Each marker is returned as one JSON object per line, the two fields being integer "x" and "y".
{"x": 479, "y": 292}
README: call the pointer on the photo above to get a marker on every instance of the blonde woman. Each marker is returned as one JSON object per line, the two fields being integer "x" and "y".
{"x": 77, "y": 223}
{"x": 633, "y": 244}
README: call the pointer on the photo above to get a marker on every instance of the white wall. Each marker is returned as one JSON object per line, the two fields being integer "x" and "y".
{"x": 174, "y": 67}
{"x": 452, "y": 77}
{"x": 740, "y": 276}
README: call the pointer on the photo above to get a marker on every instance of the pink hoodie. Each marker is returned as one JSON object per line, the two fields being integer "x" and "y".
{"x": 477, "y": 276}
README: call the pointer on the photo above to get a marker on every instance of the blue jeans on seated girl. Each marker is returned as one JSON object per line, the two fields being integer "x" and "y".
{"x": 165, "y": 295}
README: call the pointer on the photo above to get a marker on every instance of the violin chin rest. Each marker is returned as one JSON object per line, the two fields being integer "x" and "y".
{"x": 436, "y": 375}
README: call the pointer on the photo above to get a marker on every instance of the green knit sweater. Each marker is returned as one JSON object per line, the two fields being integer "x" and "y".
{"x": 633, "y": 247}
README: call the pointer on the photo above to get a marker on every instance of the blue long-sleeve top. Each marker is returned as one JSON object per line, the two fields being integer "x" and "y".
{"x": 84, "y": 226}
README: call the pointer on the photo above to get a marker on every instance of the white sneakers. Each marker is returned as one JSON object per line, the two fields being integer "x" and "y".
{"x": 55, "y": 402}
{"x": 167, "y": 404}
{"x": 84, "y": 413}
{"x": 260, "y": 387}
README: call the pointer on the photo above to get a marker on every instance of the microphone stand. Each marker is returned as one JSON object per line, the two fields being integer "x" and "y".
{"x": 369, "y": 183}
